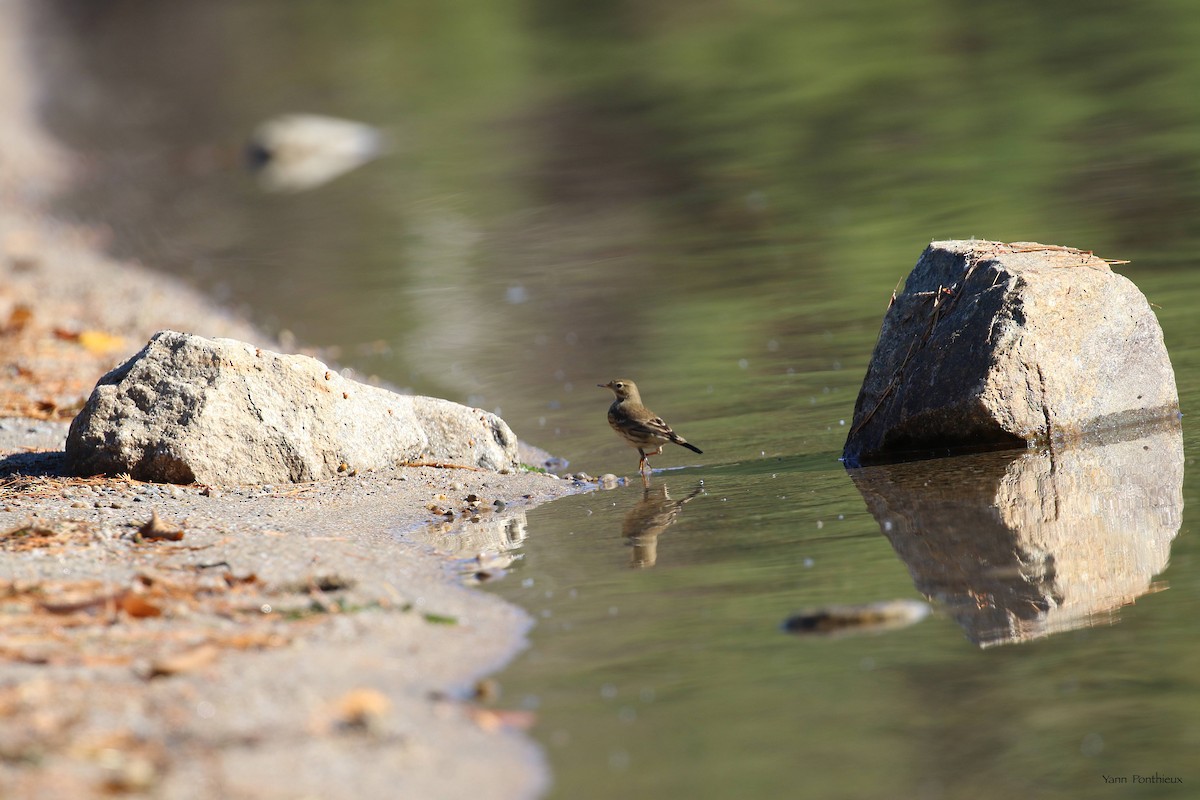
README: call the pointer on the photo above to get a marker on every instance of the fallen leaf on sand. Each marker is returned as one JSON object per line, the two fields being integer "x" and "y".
{"x": 100, "y": 343}
{"x": 358, "y": 709}
{"x": 139, "y": 607}
{"x": 95, "y": 342}
{"x": 107, "y": 601}
{"x": 157, "y": 529}
{"x": 491, "y": 719}
{"x": 254, "y": 641}
{"x": 186, "y": 661}
{"x": 27, "y": 537}
{"x": 18, "y": 319}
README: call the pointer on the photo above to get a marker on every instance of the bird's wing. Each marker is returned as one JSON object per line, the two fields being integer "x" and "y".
{"x": 656, "y": 426}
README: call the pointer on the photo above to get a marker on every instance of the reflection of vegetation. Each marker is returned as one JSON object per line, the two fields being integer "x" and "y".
{"x": 902, "y": 116}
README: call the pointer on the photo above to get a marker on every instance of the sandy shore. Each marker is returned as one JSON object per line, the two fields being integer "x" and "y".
{"x": 260, "y": 642}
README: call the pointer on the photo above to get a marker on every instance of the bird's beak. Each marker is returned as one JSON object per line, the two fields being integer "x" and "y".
{"x": 603, "y": 385}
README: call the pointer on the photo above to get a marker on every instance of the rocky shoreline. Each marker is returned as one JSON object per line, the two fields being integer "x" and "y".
{"x": 199, "y": 641}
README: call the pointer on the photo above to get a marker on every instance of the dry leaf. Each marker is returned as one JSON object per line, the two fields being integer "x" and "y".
{"x": 495, "y": 719}
{"x": 27, "y": 537}
{"x": 100, "y": 343}
{"x": 18, "y": 319}
{"x": 360, "y": 709}
{"x": 187, "y": 661}
{"x": 91, "y": 604}
{"x": 255, "y": 640}
{"x": 157, "y": 529}
{"x": 139, "y": 607}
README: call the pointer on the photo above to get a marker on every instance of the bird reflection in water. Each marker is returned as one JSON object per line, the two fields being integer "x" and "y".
{"x": 652, "y": 515}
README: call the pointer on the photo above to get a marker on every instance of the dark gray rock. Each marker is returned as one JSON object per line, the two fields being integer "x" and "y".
{"x": 995, "y": 345}
{"x": 189, "y": 409}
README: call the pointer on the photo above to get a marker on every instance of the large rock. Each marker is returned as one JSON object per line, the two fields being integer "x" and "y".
{"x": 189, "y": 409}
{"x": 994, "y": 345}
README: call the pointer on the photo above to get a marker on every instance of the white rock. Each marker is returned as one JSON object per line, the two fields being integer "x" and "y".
{"x": 219, "y": 411}
{"x": 296, "y": 152}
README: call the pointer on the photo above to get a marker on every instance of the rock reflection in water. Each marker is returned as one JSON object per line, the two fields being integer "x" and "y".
{"x": 483, "y": 549}
{"x": 652, "y": 515}
{"x": 1020, "y": 546}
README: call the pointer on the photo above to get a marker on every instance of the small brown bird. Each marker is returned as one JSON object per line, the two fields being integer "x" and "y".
{"x": 638, "y": 425}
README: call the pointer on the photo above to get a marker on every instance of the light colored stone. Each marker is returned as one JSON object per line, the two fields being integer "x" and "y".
{"x": 295, "y": 152}
{"x": 219, "y": 411}
{"x": 994, "y": 345}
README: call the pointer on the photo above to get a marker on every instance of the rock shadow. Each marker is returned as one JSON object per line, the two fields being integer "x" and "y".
{"x": 1021, "y": 546}
{"x": 42, "y": 464}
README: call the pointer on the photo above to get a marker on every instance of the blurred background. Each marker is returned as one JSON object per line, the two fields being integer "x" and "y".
{"x": 715, "y": 199}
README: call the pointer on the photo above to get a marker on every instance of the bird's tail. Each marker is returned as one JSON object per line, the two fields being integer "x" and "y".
{"x": 689, "y": 446}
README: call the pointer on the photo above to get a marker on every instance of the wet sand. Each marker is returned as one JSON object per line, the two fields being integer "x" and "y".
{"x": 259, "y": 642}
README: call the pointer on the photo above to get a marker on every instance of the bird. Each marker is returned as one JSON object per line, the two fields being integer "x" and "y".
{"x": 638, "y": 425}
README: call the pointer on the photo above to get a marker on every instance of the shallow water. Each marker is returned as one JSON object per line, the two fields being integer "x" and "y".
{"x": 716, "y": 203}
{"x": 668, "y": 675}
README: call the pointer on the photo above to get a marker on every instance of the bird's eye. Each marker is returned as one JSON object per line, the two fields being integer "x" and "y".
{"x": 620, "y": 385}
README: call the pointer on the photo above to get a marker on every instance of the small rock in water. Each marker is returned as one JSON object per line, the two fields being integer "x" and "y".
{"x": 295, "y": 152}
{"x": 868, "y": 618}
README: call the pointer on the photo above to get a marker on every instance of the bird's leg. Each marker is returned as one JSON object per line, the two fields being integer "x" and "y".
{"x": 642, "y": 461}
